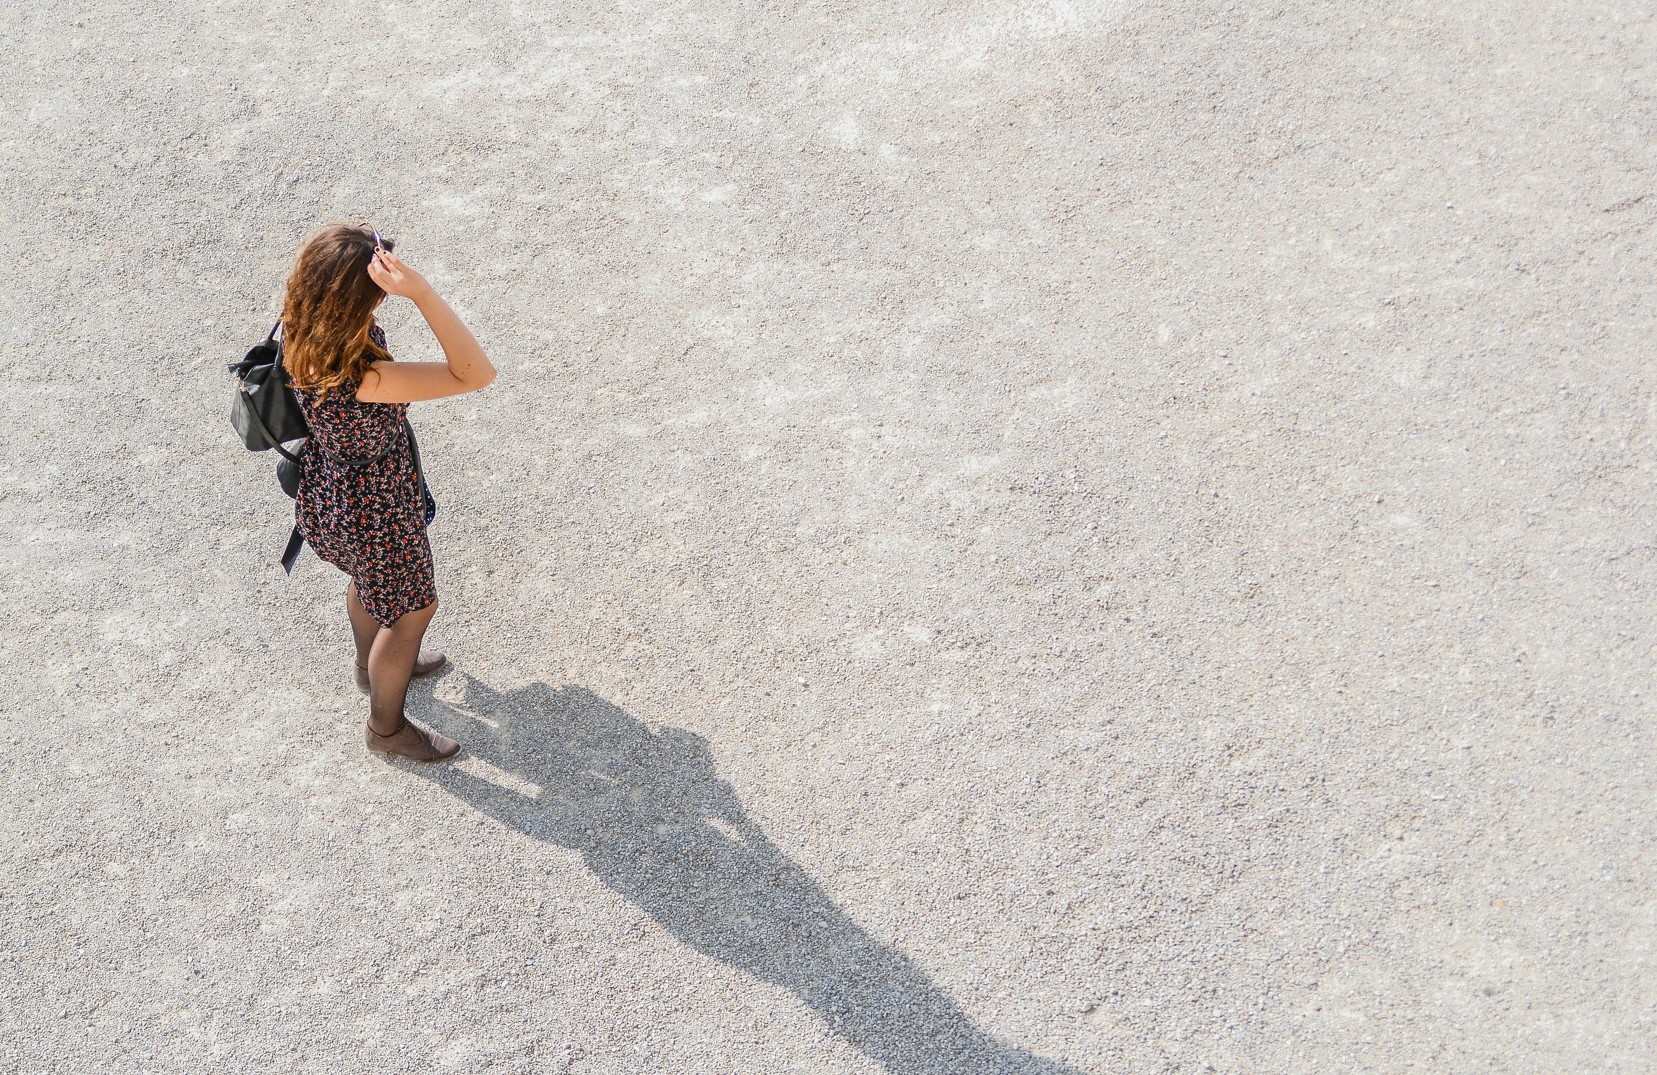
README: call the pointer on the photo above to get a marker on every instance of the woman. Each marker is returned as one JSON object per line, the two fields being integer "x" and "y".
{"x": 360, "y": 504}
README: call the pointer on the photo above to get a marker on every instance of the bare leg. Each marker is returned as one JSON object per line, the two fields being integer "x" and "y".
{"x": 391, "y": 660}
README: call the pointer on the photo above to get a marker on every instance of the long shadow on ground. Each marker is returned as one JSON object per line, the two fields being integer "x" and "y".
{"x": 654, "y": 823}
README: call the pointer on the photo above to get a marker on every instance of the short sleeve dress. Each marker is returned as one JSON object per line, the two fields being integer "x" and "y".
{"x": 368, "y": 521}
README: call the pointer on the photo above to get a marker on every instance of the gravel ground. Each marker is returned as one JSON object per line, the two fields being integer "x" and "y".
{"x": 1050, "y": 538}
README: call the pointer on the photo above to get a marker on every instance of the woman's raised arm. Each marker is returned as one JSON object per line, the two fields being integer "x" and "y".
{"x": 465, "y": 369}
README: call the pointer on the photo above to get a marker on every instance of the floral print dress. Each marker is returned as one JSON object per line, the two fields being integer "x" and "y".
{"x": 368, "y": 521}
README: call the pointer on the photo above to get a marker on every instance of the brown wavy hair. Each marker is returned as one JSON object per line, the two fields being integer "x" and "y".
{"x": 329, "y": 309}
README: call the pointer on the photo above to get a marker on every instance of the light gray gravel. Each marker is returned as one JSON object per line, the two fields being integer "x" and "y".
{"x": 1055, "y": 538}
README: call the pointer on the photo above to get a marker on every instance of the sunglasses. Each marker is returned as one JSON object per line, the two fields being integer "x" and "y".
{"x": 380, "y": 241}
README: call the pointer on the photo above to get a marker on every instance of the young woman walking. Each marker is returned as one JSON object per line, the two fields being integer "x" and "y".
{"x": 369, "y": 518}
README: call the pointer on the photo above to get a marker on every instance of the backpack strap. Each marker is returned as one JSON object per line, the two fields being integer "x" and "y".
{"x": 296, "y": 541}
{"x": 259, "y": 421}
{"x": 414, "y": 449}
{"x": 391, "y": 444}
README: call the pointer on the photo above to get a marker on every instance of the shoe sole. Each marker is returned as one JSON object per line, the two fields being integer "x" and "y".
{"x": 417, "y": 761}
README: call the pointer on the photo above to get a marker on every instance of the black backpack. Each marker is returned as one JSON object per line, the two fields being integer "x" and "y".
{"x": 266, "y": 414}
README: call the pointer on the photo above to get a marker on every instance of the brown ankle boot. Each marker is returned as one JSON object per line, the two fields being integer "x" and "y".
{"x": 429, "y": 661}
{"x": 412, "y": 742}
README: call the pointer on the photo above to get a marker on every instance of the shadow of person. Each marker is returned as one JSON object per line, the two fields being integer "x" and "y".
{"x": 656, "y": 824}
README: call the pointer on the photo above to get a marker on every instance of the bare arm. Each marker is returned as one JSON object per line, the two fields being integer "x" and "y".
{"x": 465, "y": 367}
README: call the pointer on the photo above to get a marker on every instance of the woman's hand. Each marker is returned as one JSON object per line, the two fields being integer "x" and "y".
{"x": 395, "y": 278}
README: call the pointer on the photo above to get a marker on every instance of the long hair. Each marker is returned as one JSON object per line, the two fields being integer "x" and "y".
{"x": 329, "y": 309}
